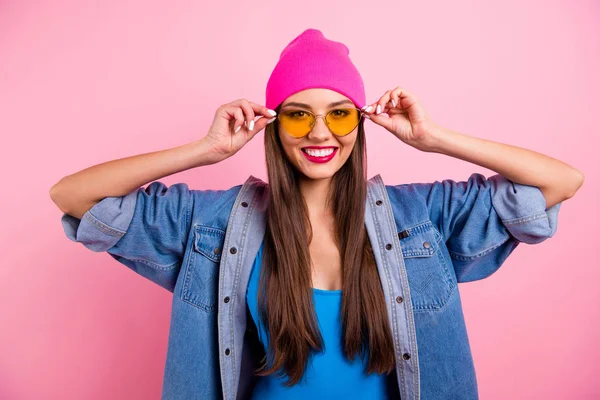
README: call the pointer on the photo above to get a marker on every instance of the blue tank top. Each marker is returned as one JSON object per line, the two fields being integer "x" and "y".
{"x": 328, "y": 373}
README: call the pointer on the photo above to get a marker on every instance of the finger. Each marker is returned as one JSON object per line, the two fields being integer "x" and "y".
{"x": 257, "y": 108}
{"x": 239, "y": 119}
{"x": 258, "y": 126}
{"x": 262, "y": 122}
{"x": 410, "y": 103}
{"x": 405, "y": 98}
{"x": 248, "y": 113}
{"x": 380, "y": 106}
{"x": 394, "y": 99}
{"x": 368, "y": 109}
{"x": 260, "y": 109}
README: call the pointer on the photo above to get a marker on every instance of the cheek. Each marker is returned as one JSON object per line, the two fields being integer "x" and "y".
{"x": 289, "y": 148}
{"x": 348, "y": 146}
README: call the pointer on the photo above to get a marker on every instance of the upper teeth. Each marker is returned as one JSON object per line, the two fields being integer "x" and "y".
{"x": 319, "y": 153}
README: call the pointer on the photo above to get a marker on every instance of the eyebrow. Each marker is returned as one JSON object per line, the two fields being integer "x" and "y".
{"x": 337, "y": 103}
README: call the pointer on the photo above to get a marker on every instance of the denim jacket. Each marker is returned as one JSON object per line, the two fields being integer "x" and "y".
{"x": 426, "y": 237}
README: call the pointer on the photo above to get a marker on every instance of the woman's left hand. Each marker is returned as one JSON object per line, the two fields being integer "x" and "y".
{"x": 407, "y": 120}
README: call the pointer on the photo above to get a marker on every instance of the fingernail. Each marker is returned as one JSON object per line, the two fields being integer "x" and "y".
{"x": 366, "y": 116}
{"x": 238, "y": 128}
{"x": 378, "y": 108}
{"x": 393, "y": 103}
{"x": 251, "y": 125}
{"x": 272, "y": 112}
{"x": 369, "y": 109}
{"x": 271, "y": 120}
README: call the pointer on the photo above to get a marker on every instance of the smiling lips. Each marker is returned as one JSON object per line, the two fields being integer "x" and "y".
{"x": 319, "y": 154}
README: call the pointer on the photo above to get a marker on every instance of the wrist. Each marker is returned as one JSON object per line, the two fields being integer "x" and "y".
{"x": 431, "y": 141}
{"x": 204, "y": 152}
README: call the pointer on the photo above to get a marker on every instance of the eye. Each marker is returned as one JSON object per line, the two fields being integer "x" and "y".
{"x": 297, "y": 114}
{"x": 339, "y": 113}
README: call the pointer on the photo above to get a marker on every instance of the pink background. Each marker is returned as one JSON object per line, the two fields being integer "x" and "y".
{"x": 83, "y": 82}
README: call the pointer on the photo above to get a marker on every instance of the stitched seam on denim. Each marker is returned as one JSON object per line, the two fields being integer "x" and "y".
{"x": 443, "y": 264}
{"x": 155, "y": 266}
{"x": 436, "y": 308}
{"x": 199, "y": 306}
{"x": 442, "y": 267}
{"x": 523, "y": 220}
{"x": 188, "y": 273}
{"x": 187, "y": 296}
{"x": 395, "y": 333}
{"x": 421, "y": 227}
{"x": 442, "y": 304}
{"x": 186, "y": 220}
{"x": 101, "y": 226}
{"x": 236, "y": 282}
{"x": 410, "y": 317}
{"x": 464, "y": 257}
{"x": 223, "y": 262}
{"x": 215, "y": 232}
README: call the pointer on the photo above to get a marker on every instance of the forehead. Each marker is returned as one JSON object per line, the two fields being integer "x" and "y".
{"x": 317, "y": 98}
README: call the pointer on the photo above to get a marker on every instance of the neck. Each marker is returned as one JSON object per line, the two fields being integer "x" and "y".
{"x": 315, "y": 193}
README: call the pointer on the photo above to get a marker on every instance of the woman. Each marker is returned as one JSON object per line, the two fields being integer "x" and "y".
{"x": 320, "y": 283}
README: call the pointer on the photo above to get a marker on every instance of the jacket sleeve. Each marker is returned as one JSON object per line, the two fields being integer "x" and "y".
{"x": 483, "y": 220}
{"x": 146, "y": 230}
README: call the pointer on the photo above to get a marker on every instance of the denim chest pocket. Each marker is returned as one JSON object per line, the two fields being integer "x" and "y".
{"x": 201, "y": 284}
{"x": 428, "y": 272}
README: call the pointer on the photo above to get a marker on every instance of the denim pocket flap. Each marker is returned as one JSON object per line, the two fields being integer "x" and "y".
{"x": 422, "y": 240}
{"x": 208, "y": 241}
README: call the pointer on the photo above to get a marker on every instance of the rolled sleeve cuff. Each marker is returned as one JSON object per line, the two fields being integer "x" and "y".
{"x": 522, "y": 209}
{"x": 103, "y": 225}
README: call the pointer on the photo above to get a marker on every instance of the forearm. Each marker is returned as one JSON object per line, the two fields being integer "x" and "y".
{"x": 557, "y": 180}
{"x": 76, "y": 193}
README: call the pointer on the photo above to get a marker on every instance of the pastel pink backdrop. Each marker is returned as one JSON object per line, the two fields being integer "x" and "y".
{"x": 83, "y": 82}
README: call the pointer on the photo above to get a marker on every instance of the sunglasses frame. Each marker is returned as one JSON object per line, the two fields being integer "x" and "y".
{"x": 361, "y": 113}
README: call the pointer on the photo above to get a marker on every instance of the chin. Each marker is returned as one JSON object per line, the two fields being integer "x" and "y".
{"x": 320, "y": 175}
{"x": 318, "y": 172}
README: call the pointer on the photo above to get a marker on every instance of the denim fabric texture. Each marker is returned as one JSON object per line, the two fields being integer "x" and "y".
{"x": 426, "y": 237}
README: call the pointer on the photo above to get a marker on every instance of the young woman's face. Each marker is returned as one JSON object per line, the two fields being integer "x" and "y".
{"x": 318, "y": 101}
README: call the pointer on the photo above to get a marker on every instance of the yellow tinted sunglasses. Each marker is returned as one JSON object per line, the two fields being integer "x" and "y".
{"x": 340, "y": 121}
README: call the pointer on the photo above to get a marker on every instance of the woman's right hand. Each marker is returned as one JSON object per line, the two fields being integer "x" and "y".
{"x": 234, "y": 125}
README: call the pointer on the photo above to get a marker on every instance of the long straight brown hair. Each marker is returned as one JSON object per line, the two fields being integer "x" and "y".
{"x": 285, "y": 286}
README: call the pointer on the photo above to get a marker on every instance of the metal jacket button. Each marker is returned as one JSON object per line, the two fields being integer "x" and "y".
{"x": 399, "y": 299}
{"x": 388, "y": 246}
{"x": 227, "y": 351}
{"x": 217, "y": 250}
{"x": 233, "y": 250}
{"x": 244, "y": 204}
{"x": 427, "y": 245}
{"x": 379, "y": 202}
{"x": 406, "y": 356}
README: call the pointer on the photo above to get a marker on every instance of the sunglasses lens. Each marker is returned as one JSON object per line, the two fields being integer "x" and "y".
{"x": 342, "y": 121}
{"x": 299, "y": 123}
{"x": 296, "y": 122}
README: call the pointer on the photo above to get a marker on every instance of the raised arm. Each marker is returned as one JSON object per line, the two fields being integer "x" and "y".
{"x": 77, "y": 193}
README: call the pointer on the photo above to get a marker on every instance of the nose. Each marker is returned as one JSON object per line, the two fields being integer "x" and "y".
{"x": 320, "y": 131}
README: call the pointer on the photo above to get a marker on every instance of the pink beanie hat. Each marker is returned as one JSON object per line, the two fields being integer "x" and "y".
{"x": 312, "y": 61}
